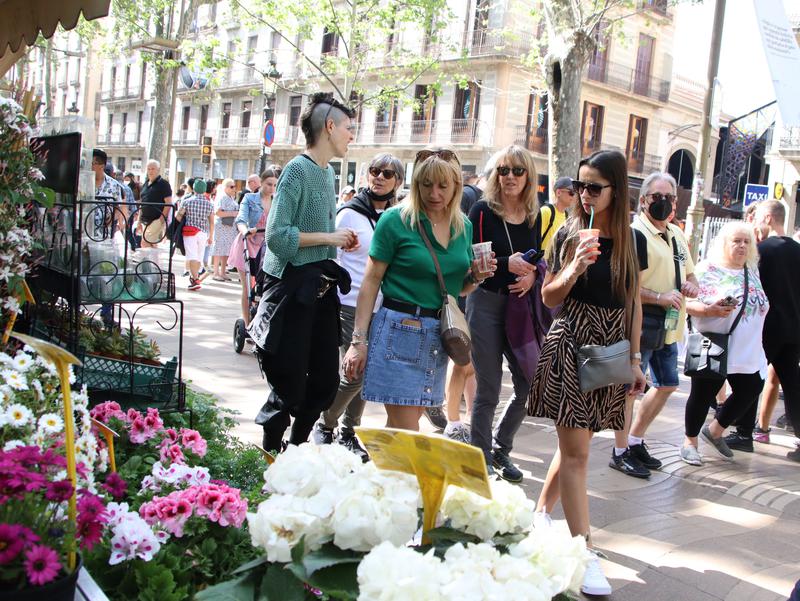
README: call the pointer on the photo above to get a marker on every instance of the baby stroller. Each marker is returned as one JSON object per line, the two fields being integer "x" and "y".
{"x": 254, "y": 280}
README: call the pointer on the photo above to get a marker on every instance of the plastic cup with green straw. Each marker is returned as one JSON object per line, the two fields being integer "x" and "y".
{"x": 589, "y": 232}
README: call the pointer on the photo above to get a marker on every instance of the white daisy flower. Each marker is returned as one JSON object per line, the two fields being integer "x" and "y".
{"x": 22, "y": 361}
{"x": 12, "y": 444}
{"x": 37, "y": 387}
{"x": 51, "y": 423}
{"x": 18, "y": 415}
{"x": 14, "y": 379}
{"x": 6, "y": 359}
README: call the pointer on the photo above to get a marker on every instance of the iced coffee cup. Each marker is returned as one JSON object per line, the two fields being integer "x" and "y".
{"x": 591, "y": 234}
{"x": 483, "y": 254}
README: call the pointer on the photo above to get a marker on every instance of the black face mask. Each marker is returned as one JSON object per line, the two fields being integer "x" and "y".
{"x": 660, "y": 208}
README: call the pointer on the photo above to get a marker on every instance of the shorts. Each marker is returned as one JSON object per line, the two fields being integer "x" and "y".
{"x": 406, "y": 364}
{"x": 154, "y": 231}
{"x": 663, "y": 365}
{"x": 195, "y": 246}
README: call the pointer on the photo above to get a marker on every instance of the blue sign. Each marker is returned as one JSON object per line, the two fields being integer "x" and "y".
{"x": 755, "y": 193}
{"x": 269, "y": 133}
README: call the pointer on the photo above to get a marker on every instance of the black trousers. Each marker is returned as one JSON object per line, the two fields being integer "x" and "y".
{"x": 744, "y": 396}
{"x": 304, "y": 374}
{"x": 785, "y": 360}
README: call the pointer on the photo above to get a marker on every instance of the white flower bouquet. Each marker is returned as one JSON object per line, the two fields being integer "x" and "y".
{"x": 340, "y": 529}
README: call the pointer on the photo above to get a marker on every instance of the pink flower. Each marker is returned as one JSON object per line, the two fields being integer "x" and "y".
{"x": 105, "y": 411}
{"x": 153, "y": 420}
{"x": 11, "y": 542}
{"x": 139, "y": 432}
{"x": 172, "y": 454}
{"x": 132, "y": 415}
{"x": 171, "y": 435}
{"x": 90, "y": 534}
{"x": 115, "y": 485}
{"x": 41, "y": 565}
{"x": 60, "y": 490}
{"x": 192, "y": 441}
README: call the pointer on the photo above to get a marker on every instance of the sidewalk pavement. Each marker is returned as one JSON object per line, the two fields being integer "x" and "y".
{"x": 729, "y": 530}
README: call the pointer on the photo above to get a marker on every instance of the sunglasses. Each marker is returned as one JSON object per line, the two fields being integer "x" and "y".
{"x": 442, "y": 153}
{"x": 594, "y": 190}
{"x": 517, "y": 171}
{"x": 387, "y": 173}
{"x": 658, "y": 197}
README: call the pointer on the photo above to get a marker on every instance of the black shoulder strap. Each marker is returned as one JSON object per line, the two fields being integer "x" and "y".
{"x": 677, "y": 263}
{"x": 552, "y": 220}
{"x": 744, "y": 303}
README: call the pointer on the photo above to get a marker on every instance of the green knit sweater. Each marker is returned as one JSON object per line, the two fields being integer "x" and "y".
{"x": 305, "y": 201}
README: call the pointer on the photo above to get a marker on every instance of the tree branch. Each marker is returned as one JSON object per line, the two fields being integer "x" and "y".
{"x": 339, "y": 28}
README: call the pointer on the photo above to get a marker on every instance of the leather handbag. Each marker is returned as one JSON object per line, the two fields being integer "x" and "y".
{"x": 227, "y": 220}
{"x": 454, "y": 331}
{"x": 653, "y": 331}
{"x": 707, "y": 353}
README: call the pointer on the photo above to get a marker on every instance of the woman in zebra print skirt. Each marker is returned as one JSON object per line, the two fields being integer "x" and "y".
{"x": 596, "y": 280}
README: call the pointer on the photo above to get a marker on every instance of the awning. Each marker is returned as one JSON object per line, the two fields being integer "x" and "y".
{"x": 22, "y": 20}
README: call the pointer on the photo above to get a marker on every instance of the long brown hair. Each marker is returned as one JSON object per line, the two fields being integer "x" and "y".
{"x": 624, "y": 265}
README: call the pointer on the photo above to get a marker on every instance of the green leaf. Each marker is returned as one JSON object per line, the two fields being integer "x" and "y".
{"x": 242, "y": 588}
{"x": 299, "y": 550}
{"x": 251, "y": 564}
{"x": 280, "y": 584}
{"x": 329, "y": 555}
{"x": 445, "y": 534}
{"x": 338, "y": 581}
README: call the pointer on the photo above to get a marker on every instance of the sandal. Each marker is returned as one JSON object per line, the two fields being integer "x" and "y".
{"x": 217, "y": 278}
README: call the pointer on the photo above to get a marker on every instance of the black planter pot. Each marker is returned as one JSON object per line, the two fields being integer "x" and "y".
{"x": 60, "y": 589}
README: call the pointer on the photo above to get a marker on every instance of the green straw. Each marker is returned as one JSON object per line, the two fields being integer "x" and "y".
{"x": 591, "y": 216}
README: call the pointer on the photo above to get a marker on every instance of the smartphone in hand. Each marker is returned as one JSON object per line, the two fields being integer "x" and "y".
{"x": 532, "y": 256}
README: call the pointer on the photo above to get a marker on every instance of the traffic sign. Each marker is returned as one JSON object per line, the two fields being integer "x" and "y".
{"x": 269, "y": 133}
{"x": 755, "y": 193}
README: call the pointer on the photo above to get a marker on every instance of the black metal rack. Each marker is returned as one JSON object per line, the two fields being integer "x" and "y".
{"x": 89, "y": 282}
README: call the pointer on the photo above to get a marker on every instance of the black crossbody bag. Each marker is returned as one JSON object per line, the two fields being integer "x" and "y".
{"x": 653, "y": 331}
{"x": 707, "y": 353}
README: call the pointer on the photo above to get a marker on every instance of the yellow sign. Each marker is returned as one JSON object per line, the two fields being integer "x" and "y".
{"x": 26, "y": 295}
{"x": 436, "y": 461}
{"x": 778, "y": 190}
{"x": 268, "y": 457}
{"x": 109, "y": 435}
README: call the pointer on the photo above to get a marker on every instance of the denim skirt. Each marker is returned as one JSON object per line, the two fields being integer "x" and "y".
{"x": 406, "y": 364}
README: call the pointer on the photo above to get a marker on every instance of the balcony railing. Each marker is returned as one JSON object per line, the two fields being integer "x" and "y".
{"x": 241, "y": 76}
{"x": 657, "y": 6}
{"x": 429, "y": 131}
{"x": 188, "y": 137}
{"x": 629, "y": 80}
{"x": 790, "y": 140}
{"x": 120, "y": 93}
{"x": 235, "y": 136}
{"x": 494, "y": 42}
{"x": 123, "y": 138}
{"x": 537, "y": 141}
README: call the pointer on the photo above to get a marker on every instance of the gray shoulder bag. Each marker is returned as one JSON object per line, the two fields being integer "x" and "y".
{"x": 600, "y": 366}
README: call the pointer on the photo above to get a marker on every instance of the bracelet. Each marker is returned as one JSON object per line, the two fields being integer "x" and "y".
{"x": 355, "y": 342}
{"x": 636, "y": 356}
{"x": 359, "y": 333}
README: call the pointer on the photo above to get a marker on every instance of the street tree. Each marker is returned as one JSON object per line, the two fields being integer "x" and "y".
{"x": 574, "y": 31}
{"x": 369, "y": 60}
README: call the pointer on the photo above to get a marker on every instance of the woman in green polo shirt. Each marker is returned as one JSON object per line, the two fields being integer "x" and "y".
{"x": 405, "y": 362}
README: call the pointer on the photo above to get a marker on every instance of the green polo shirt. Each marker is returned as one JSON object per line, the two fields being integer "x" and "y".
{"x": 411, "y": 275}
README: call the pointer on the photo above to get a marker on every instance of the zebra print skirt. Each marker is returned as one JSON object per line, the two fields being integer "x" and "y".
{"x": 555, "y": 393}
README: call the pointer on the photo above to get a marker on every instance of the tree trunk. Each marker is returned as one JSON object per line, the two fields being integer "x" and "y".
{"x": 563, "y": 75}
{"x": 163, "y": 105}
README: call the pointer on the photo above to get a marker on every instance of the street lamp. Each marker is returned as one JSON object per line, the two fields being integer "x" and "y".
{"x": 270, "y": 94}
{"x": 73, "y": 110}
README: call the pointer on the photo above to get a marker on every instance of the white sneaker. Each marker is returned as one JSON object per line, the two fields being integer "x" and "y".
{"x": 458, "y": 432}
{"x": 541, "y": 520}
{"x": 594, "y": 582}
{"x": 691, "y": 455}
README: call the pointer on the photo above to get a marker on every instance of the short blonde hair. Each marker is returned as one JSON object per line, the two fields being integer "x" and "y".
{"x": 435, "y": 169}
{"x": 221, "y": 189}
{"x": 717, "y": 251}
{"x": 514, "y": 156}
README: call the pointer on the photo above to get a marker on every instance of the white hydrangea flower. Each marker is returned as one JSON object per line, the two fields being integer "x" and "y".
{"x": 51, "y": 423}
{"x": 390, "y": 573}
{"x": 561, "y": 557}
{"x": 18, "y": 415}
{"x": 14, "y": 379}
{"x": 323, "y": 465}
{"x": 279, "y": 524}
{"x": 509, "y": 511}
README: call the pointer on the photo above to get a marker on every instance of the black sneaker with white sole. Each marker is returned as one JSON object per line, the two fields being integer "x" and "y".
{"x": 628, "y": 465}
{"x": 506, "y": 468}
{"x": 349, "y": 441}
{"x": 642, "y": 454}
{"x": 737, "y": 442}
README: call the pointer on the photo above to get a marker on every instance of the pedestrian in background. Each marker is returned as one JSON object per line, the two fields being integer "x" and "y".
{"x": 361, "y": 214}
{"x": 225, "y": 212}
{"x": 554, "y": 215}
{"x": 155, "y": 208}
{"x": 595, "y": 280}
{"x": 197, "y": 217}
{"x": 508, "y": 217}
{"x": 296, "y": 329}
{"x": 404, "y": 362}
{"x": 732, "y": 300}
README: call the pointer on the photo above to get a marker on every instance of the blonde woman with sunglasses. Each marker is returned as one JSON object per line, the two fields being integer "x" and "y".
{"x": 225, "y": 211}
{"x": 400, "y": 353}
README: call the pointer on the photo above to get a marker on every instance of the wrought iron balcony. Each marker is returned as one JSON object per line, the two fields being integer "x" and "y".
{"x": 188, "y": 137}
{"x": 538, "y": 140}
{"x": 629, "y": 80}
{"x": 497, "y": 42}
{"x": 238, "y": 136}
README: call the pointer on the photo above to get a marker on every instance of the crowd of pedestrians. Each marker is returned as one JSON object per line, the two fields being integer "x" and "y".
{"x": 587, "y": 308}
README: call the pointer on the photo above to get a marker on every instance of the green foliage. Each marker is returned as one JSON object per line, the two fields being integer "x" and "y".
{"x": 158, "y": 580}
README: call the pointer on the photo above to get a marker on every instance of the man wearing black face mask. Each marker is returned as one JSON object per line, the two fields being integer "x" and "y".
{"x": 667, "y": 281}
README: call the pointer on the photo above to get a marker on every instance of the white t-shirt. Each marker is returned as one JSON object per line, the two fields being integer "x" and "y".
{"x": 745, "y": 351}
{"x": 355, "y": 262}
